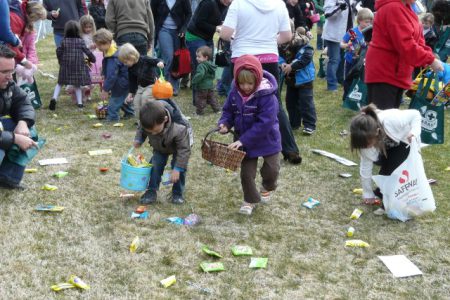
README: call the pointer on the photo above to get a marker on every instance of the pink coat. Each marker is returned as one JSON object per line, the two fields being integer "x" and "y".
{"x": 29, "y": 47}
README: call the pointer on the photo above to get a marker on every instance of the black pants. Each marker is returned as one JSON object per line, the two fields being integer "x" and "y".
{"x": 288, "y": 144}
{"x": 384, "y": 95}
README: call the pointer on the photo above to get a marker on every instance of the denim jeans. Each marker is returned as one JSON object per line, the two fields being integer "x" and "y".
{"x": 334, "y": 55}
{"x": 114, "y": 105}
{"x": 225, "y": 81}
{"x": 58, "y": 39}
{"x": 159, "y": 161}
{"x": 139, "y": 41}
{"x": 9, "y": 172}
{"x": 169, "y": 42}
{"x": 300, "y": 107}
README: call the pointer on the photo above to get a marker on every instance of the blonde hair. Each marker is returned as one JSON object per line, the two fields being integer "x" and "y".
{"x": 427, "y": 17}
{"x": 35, "y": 12}
{"x": 102, "y": 36}
{"x": 246, "y": 76}
{"x": 129, "y": 53}
{"x": 364, "y": 14}
{"x": 87, "y": 20}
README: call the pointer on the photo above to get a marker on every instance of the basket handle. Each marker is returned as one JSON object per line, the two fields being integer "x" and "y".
{"x": 217, "y": 130}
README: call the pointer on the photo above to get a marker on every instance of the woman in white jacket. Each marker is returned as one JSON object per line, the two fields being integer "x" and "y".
{"x": 339, "y": 16}
{"x": 382, "y": 137}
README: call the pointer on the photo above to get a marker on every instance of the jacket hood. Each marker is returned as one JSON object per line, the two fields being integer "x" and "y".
{"x": 250, "y": 63}
{"x": 380, "y": 3}
{"x": 267, "y": 86}
{"x": 210, "y": 66}
{"x": 265, "y": 6}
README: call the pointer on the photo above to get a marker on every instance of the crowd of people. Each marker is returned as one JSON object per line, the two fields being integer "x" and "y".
{"x": 267, "y": 44}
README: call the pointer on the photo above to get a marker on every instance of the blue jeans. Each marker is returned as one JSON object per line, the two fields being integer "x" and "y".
{"x": 300, "y": 107}
{"x": 169, "y": 42}
{"x": 139, "y": 41}
{"x": 114, "y": 105}
{"x": 334, "y": 54}
{"x": 58, "y": 39}
{"x": 9, "y": 172}
{"x": 159, "y": 161}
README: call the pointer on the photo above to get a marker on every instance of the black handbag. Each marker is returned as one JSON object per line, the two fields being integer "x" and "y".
{"x": 223, "y": 55}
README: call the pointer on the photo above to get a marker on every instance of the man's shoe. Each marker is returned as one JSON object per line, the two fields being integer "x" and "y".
{"x": 308, "y": 131}
{"x": 293, "y": 157}
{"x": 52, "y": 105}
{"x": 149, "y": 197}
{"x": 12, "y": 186}
{"x": 177, "y": 199}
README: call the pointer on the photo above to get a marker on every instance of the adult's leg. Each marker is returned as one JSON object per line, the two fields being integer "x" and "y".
{"x": 248, "y": 176}
{"x": 384, "y": 95}
{"x": 333, "y": 64}
{"x": 319, "y": 45}
{"x": 292, "y": 107}
{"x": 168, "y": 43}
{"x": 58, "y": 39}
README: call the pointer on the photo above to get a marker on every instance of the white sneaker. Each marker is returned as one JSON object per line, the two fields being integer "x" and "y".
{"x": 265, "y": 196}
{"x": 246, "y": 208}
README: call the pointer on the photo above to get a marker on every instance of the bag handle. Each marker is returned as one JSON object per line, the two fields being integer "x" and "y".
{"x": 182, "y": 42}
{"x": 219, "y": 44}
{"x": 161, "y": 76}
{"x": 217, "y": 130}
{"x": 422, "y": 90}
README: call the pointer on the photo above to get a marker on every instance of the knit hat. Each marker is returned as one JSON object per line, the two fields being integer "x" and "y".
{"x": 250, "y": 63}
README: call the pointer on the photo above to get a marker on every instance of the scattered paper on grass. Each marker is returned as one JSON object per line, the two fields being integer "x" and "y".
{"x": 240, "y": 250}
{"x": 55, "y": 115}
{"x": 97, "y": 125}
{"x": 168, "y": 281}
{"x": 134, "y": 244}
{"x": 345, "y": 175}
{"x": 211, "y": 252}
{"x": 103, "y": 170}
{"x": 356, "y": 214}
{"x": 118, "y": 125}
{"x": 356, "y": 243}
{"x": 432, "y": 181}
{"x": 60, "y": 174}
{"x": 53, "y": 161}
{"x": 143, "y": 215}
{"x": 76, "y": 281}
{"x": 337, "y": 158}
{"x": 106, "y": 135}
{"x": 127, "y": 195}
{"x": 49, "y": 187}
{"x": 212, "y": 267}
{"x": 447, "y": 169}
{"x": 30, "y": 171}
{"x": 100, "y": 152}
{"x": 48, "y": 207}
{"x": 175, "y": 220}
{"x": 400, "y": 265}
{"x": 62, "y": 286}
{"x": 311, "y": 203}
{"x": 258, "y": 262}
{"x": 357, "y": 191}
{"x": 92, "y": 116}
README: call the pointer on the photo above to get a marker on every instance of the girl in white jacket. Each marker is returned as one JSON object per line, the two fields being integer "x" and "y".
{"x": 382, "y": 137}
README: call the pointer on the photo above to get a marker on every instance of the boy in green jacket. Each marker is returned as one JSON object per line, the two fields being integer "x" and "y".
{"x": 203, "y": 81}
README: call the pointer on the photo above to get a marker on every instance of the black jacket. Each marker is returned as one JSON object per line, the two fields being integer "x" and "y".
{"x": 15, "y": 103}
{"x": 143, "y": 73}
{"x": 181, "y": 13}
{"x": 206, "y": 17}
{"x": 295, "y": 12}
{"x": 98, "y": 12}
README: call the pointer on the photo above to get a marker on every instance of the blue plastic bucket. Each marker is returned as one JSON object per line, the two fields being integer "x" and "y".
{"x": 134, "y": 179}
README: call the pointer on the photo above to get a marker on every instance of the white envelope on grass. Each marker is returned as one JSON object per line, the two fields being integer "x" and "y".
{"x": 400, "y": 266}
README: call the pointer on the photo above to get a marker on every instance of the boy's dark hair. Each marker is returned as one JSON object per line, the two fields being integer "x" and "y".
{"x": 6, "y": 52}
{"x": 205, "y": 51}
{"x": 72, "y": 29}
{"x": 151, "y": 114}
{"x": 366, "y": 128}
{"x": 440, "y": 11}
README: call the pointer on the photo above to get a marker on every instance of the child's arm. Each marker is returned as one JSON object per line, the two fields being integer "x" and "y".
{"x": 304, "y": 59}
{"x": 227, "y": 118}
{"x": 199, "y": 75}
{"x": 89, "y": 53}
{"x": 29, "y": 47}
{"x": 183, "y": 150}
{"x": 139, "y": 137}
{"x": 345, "y": 40}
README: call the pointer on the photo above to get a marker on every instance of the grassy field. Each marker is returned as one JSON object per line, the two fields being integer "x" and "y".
{"x": 305, "y": 248}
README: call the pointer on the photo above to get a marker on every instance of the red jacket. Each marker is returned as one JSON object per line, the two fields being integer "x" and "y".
{"x": 397, "y": 45}
{"x": 18, "y": 23}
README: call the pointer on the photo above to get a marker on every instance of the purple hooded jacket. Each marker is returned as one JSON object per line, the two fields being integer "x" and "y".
{"x": 255, "y": 121}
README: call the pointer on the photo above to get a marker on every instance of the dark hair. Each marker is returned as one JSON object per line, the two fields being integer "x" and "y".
{"x": 6, "y": 52}
{"x": 366, "y": 128}
{"x": 72, "y": 29}
{"x": 440, "y": 11}
{"x": 205, "y": 51}
{"x": 151, "y": 114}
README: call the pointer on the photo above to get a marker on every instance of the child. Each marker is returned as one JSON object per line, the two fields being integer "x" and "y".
{"x": 427, "y": 21}
{"x": 202, "y": 81}
{"x": 298, "y": 67}
{"x": 353, "y": 42}
{"x": 88, "y": 29}
{"x": 252, "y": 108}
{"x": 382, "y": 136}
{"x": 34, "y": 12}
{"x": 114, "y": 72}
{"x": 166, "y": 138}
{"x": 141, "y": 75}
{"x": 72, "y": 67}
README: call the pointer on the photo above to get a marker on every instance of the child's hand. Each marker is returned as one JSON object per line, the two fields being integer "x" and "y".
{"x": 130, "y": 98}
{"x": 24, "y": 142}
{"x": 287, "y": 69}
{"x": 223, "y": 129}
{"x": 104, "y": 95}
{"x": 160, "y": 65}
{"x": 136, "y": 144}
{"x": 174, "y": 176}
{"x": 55, "y": 14}
{"x": 236, "y": 145}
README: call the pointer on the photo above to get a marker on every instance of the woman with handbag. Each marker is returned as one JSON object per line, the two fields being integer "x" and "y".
{"x": 171, "y": 18}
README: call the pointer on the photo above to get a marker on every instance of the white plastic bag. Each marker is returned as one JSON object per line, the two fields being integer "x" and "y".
{"x": 406, "y": 192}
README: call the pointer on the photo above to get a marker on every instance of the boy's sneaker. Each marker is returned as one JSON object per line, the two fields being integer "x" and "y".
{"x": 308, "y": 131}
{"x": 177, "y": 199}
{"x": 247, "y": 208}
{"x": 265, "y": 196}
{"x": 52, "y": 105}
{"x": 149, "y": 197}
{"x": 81, "y": 105}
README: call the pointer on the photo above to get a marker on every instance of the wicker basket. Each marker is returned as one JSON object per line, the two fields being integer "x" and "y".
{"x": 101, "y": 110}
{"x": 220, "y": 155}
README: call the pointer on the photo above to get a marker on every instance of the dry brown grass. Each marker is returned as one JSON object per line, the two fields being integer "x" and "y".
{"x": 307, "y": 257}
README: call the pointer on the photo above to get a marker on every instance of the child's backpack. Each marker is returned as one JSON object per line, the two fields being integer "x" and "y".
{"x": 178, "y": 117}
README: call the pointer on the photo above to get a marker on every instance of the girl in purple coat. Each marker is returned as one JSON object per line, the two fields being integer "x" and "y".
{"x": 252, "y": 108}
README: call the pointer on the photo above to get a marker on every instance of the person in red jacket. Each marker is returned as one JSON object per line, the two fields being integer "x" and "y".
{"x": 397, "y": 46}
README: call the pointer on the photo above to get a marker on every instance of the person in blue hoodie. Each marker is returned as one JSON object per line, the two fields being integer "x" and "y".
{"x": 251, "y": 109}
{"x": 115, "y": 75}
